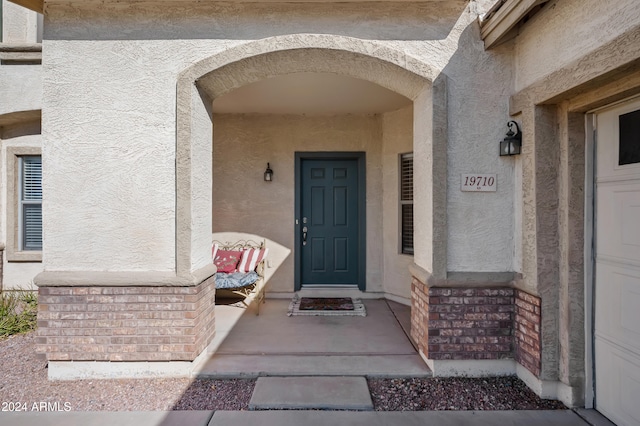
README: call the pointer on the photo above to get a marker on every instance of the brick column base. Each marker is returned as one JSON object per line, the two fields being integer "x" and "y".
{"x": 136, "y": 323}
{"x": 420, "y": 316}
{"x": 460, "y": 323}
{"x": 470, "y": 323}
{"x": 527, "y": 332}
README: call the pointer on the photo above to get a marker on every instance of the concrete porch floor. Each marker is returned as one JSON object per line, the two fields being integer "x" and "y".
{"x": 273, "y": 344}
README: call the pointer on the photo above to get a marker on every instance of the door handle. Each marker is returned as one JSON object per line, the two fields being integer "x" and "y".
{"x": 304, "y": 236}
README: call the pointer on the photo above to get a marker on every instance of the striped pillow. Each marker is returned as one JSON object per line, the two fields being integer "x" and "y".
{"x": 226, "y": 260}
{"x": 251, "y": 258}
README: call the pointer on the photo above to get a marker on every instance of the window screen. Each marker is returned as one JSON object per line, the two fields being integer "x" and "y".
{"x": 406, "y": 203}
{"x": 31, "y": 203}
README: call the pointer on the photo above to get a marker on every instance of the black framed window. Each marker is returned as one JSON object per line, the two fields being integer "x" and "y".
{"x": 629, "y": 138}
{"x": 30, "y": 203}
{"x": 406, "y": 203}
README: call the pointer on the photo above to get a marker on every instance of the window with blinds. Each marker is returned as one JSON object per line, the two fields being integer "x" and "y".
{"x": 406, "y": 203}
{"x": 30, "y": 203}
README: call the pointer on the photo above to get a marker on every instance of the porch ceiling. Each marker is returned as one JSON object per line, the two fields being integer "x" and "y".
{"x": 312, "y": 94}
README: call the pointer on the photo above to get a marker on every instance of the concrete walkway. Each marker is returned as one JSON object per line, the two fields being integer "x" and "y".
{"x": 306, "y": 418}
{"x": 311, "y": 351}
{"x": 273, "y": 344}
{"x": 327, "y": 393}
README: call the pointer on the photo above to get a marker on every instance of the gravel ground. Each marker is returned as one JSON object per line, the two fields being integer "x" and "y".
{"x": 23, "y": 378}
{"x": 492, "y": 393}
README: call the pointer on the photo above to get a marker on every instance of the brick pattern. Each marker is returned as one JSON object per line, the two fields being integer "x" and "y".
{"x": 527, "y": 331}
{"x": 125, "y": 323}
{"x": 470, "y": 323}
{"x": 476, "y": 323}
{"x": 420, "y": 315}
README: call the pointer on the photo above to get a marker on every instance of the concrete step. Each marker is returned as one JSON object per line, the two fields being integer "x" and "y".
{"x": 295, "y": 393}
{"x": 380, "y": 366}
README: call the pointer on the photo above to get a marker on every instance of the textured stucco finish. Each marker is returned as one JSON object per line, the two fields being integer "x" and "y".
{"x": 134, "y": 121}
{"x": 130, "y": 199}
{"x": 319, "y": 54}
{"x": 564, "y": 31}
{"x": 540, "y": 215}
{"x": 480, "y": 225}
{"x": 24, "y": 138}
{"x": 201, "y": 182}
{"x": 397, "y": 138}
{"x": 242, "y": 201}
{"x": 20, "y": 102}
{"x": 19, "y": 276}
{"x": 141, "y": 149}
{"x": 405, "y": 22}
{"x": 572, "y": 56}
{"x": 21, "y": 87}
{"x": 423, "y": 183}
{"x": 19, "y": 25}
{"x": 571, "y": 235}
{"x": 220, "y": 75}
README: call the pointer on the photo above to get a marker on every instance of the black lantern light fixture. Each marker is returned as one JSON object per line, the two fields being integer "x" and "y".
{"x": 512, "y": 143}
{"x": 268, "y": 174}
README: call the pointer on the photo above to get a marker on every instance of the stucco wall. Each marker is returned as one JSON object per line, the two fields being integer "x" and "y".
{"x": 480, "y": 224}
{"x": 20, "y": 91}
{"x": 20, "y": 88}
{"x": 244, "y": 202}
{"x": 566, "y": 30}
{"x": 397, "y": 138}
{"x": 572, "y": 57}
{"x": 16, "y": 275}
{"x": 113, "y": 118}
{"x": 19, "y": 25}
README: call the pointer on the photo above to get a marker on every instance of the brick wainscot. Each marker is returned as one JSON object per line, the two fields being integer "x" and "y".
{"x": 125, "y": 323}
{"x": 476, "y": 323}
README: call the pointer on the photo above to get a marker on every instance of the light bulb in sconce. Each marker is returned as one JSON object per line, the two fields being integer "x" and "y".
{"x": 268, "y": 174}
{"x": 512, "y": 143}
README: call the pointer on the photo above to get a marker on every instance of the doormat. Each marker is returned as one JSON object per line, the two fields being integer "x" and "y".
{"x": 326, "y": 306}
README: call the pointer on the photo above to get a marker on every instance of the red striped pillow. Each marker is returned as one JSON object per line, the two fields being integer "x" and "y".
{"x": 226, "y": 260}
{"x": 251, "y": 258}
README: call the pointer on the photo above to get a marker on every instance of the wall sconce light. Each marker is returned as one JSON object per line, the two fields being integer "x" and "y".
{"x": 512, "y": 143}
{"x": 268, "y": 174}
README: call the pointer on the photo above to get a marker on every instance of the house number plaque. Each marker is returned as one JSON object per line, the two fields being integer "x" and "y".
{"x": 478, "y": 182}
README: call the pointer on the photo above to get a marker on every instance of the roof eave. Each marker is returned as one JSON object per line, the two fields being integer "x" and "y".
{"x": 35, "y": 5}
{"x": 500, "y": 24}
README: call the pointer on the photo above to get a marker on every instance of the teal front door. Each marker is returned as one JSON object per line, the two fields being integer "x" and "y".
{"x": 330, "y": 240}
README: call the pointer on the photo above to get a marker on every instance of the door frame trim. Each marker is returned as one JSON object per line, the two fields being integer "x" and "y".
{"x": 360, "y": 157}
{"x": 589, "y": 260}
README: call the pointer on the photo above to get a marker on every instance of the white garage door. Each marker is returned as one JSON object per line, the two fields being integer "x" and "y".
{"x": 617, "y": 295}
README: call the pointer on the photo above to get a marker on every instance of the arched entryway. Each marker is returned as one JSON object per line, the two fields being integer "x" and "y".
{"x": 219, "y": 74}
